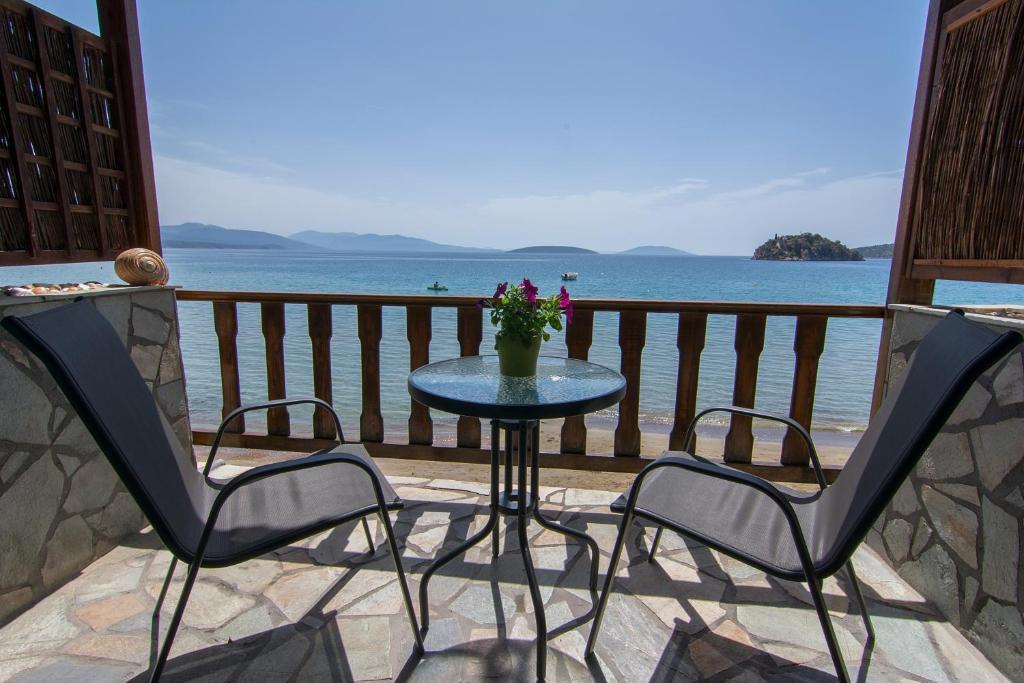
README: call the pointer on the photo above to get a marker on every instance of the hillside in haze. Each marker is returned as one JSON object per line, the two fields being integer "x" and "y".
{"x": 368, "y": 242}
{"x": 203, "y": 236}
{"x": 876, "y": 251}
{"x": 656, "y": 250}
{"x": 551, "y": 249}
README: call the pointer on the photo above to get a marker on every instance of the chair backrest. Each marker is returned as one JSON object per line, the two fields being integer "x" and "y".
{"x": 940, "y": 372}
{"x": 85, "y": 355}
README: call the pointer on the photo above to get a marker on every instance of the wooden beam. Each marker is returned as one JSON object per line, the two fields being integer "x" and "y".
{"x": 903, "y": 289}
{"x": 119, "y": 24}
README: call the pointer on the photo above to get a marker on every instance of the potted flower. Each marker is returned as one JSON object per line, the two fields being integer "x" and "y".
{"x": 522, "y": 319}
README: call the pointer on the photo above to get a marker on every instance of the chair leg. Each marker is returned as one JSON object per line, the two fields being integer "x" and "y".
{"x": 602, "y": 602}
{"x": 406, "y": 595}
{"x": 369, "y": 536}
{"x": 855, "y": 585}
{"x": 186, "y": 589}
{"x": 655, "y": 542}
{"x": 814, "y": 585}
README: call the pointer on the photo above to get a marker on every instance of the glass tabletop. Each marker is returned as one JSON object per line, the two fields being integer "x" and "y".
{"x": 473, "y": 386}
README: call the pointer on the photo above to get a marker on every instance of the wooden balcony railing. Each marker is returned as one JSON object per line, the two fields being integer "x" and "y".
{"x": 751, "y": 322}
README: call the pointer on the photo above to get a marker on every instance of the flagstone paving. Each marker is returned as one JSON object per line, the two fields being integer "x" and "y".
{"x": 326, "y": 609}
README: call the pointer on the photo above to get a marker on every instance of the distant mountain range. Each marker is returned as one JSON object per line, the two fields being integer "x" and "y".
{"x": 204, "y": 236}
{"x": 368, "y": 242}
{"x": 656, "y": 250}
{"x": 876, "y": 251}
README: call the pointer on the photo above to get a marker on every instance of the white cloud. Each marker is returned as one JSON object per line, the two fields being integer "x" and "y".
{"x": 689, "y": 213}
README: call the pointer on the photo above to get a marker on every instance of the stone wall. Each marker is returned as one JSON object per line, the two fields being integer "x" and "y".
{"x": 953, "y": 530}
{"x": 61, "y": 504}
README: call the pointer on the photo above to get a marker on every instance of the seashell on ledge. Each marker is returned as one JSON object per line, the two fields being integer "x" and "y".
{"x": 141, "y": 267}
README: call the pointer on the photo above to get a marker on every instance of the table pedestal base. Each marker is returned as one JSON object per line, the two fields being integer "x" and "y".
{"x": 512, "y": 501}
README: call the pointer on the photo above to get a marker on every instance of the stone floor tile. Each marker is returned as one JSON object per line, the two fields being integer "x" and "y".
{"x": 479, "y": 488}
{"x": 59, "y": 670}
{"x": 249, "y": 577}
{"x": 133, "y": 648}
{"x": 100, "y": 615}
{"x": 478, "y": 604}
{"x": 356, "y": 583}
{"x": 108, "y": 580}
{"x": 580, "y": 497}
{"x": 367, "y": 643}
{"x": 794, "y": 626}
{"x": 249, "y": 623}
{"x": 382, "y": 602}
{"x": 294, "y": 594}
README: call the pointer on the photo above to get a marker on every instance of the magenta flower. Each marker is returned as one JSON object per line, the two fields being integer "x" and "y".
{"x": 502, "y": 287}
{"x": 529, "y": 291}
{"x": 565, "y": 303}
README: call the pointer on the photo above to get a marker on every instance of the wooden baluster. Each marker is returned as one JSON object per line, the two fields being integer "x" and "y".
{"x": 417, "y": 326}
{"x": 371, "y": 423}
{"x": 808, "y": 344}
{"x": 578, "y": 338}
{"x": 470, "y": 330}
{"x": 320, "y": 331}
{"x": 272, "y": 315}
{"x": 739, "y": 442}
{"x": 632, "y": 337}
{"x": 225, "y": 322}
{"x": 690, "y": 342}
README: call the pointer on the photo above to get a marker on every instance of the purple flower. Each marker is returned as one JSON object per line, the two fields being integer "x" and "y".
{"x": 480, "y": 304}
{"x": 529, "y": 291}
{"x": 502, "y": 287}
{"x": 565, "y": 303}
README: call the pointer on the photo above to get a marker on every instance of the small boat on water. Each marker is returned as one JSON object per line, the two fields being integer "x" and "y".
{"x": 437, "y": 287}
{"x": 571, "y": 275}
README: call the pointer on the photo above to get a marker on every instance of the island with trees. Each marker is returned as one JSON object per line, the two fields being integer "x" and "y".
{"x": 805, "y": 247}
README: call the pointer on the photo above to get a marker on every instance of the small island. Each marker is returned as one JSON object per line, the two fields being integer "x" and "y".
{"x": 551, "y": 249}
{"x": 805, "y": 247}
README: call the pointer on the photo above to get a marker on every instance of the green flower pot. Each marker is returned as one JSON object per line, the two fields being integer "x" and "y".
{"x": 516, "y": 359}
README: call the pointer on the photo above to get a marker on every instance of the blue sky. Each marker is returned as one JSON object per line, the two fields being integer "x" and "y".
{"x": 703, "y": 126}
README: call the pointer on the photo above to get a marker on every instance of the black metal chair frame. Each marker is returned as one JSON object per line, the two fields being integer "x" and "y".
{"x": 273, "y": 469}
{"x": 813, "y": 578}
{"x": 73, "y": 391}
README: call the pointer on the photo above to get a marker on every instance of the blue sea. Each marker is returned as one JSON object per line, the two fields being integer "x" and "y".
{"x": 844, "y": 381}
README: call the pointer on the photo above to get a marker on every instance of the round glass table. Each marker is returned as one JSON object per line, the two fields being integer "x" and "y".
{"x": 473, "y": 386}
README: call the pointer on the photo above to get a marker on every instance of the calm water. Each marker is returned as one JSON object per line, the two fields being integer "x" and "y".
{"x": 845, "y": 375}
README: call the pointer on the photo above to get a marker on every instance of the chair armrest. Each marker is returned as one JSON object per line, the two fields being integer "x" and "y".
{"x": 775, "y": 417}
{"x": 278, "y": 403}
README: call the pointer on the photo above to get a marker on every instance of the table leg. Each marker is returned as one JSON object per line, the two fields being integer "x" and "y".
{"x": 595, "y": 554}
{"x": 524, "y": 548}
{"x": 491, "y": 523}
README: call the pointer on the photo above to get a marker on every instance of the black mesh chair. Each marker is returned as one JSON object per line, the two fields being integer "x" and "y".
{"x": 202, "y": 521}
{"x": 809, "y": 537}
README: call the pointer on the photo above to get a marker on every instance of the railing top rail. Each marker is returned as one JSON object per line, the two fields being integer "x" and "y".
{"x": 615, "y": 305}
